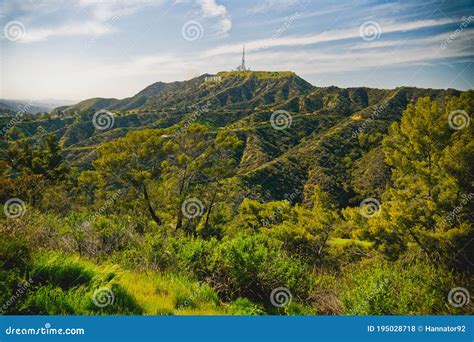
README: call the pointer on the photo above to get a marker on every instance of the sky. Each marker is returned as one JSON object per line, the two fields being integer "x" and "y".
{"x": 81, "y": 49}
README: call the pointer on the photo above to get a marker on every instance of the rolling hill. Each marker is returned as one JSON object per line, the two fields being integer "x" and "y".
{"x": 331, "y": 134}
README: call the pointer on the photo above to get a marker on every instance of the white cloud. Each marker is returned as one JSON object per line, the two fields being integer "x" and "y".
{"x": 326, "y": 36}
{"x": 211, "y": 9}
{"x": 100, "y": 20}
{"x": 272, "y": 5}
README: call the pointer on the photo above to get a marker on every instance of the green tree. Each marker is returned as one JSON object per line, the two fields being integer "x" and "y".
{"x": 429, "y": 163}
{"x": 197, "y": 165}
{"x": 130, "y": 163}
{"x": 43, "y": 159}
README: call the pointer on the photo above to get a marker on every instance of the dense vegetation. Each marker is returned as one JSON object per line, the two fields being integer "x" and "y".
{"x": 193, "y": 203}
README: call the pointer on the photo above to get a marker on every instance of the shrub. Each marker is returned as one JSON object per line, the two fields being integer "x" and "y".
{"x": 253, "y": 265}
{"x": 14, "y": 267}
{"x": 195, "y": 256}
{"x": 379, "y": 287}
{"x": 243, "y": 306}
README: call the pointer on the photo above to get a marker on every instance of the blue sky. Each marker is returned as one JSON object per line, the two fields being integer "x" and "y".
{"x": 81, "y": 49}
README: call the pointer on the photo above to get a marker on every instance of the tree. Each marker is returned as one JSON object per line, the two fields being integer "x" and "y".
{"x": 43, "y": 159}
{"x": 429, "y": 163}
{"x": 130, "y": 163}
{"x": 307, "y": 232}
{"x": 196, "y": 166}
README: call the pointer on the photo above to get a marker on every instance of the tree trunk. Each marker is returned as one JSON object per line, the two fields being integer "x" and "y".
{"x": 208, "y": 214}
{"x": 323, "y": 244}
{"x": 418, "y": 242}
{"x": 150, "y": 208}
{"x": 179, "y": 222}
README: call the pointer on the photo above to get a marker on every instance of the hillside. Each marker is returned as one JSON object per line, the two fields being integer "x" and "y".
{"x": 332, "y": 129}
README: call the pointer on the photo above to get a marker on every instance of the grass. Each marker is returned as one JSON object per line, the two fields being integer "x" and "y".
{"x": 259, "y": 74}
{"x": 169, "y": 294}
{"x": 67, "y": 285}
{"x": 343, "y": 242}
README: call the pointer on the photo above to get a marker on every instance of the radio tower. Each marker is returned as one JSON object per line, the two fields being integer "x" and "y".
{"x": 242, "y": 67}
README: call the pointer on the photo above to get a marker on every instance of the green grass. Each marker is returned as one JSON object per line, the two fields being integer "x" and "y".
{"x": 259, "y": 74}
{"x": 66, "y": 285}
{"x": 169, "y": 294}
{"x": 343, "y": 242}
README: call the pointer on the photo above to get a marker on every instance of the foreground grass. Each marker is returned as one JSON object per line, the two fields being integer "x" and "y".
{"x": 71, "y": 285}
{"x": 170, "y": 295}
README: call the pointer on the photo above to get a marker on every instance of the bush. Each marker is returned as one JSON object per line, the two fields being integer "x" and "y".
{"x": 195, "y": 256}
{"x": 253, "y": 265}
{"x": 14, "y": 268}
{"x": 243, "y": 306}
{"x": 379, "y": 287}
